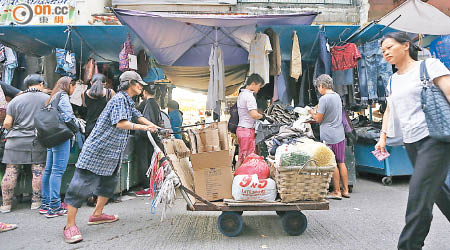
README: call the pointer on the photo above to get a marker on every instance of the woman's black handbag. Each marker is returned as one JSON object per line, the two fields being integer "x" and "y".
{"x": 435, "y": 106}
{"x": 51, "y": 129}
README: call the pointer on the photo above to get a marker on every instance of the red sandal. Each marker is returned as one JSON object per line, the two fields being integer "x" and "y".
{"x": 7, "y": 227}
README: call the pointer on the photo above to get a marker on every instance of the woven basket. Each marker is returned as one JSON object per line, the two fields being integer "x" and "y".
{"x": 300, "y": 183}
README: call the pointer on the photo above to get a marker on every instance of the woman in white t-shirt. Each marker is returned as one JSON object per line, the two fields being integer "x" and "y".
{"x": 430, "y": 157}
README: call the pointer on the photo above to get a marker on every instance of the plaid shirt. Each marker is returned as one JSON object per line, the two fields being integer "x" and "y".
{"x": 102, "y": 150}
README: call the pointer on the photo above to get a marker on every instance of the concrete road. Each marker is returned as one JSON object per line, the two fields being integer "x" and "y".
{"x": 371, "y": 219}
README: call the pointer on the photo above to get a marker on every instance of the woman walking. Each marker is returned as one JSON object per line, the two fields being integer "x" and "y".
{"x": 95, "y": 100}
{"x": 430, "y": 157}
{"x": 57, "y": 156}
{"x": 22, "y": 147}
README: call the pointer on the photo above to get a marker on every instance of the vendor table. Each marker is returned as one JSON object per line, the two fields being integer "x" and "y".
{"x": 397, "y": 164}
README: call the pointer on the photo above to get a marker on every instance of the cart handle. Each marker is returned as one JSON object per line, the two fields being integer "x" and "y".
{"x": 206, "y": 202}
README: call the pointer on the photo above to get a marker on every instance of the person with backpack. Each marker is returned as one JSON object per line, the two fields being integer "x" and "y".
{"x": 22, "y": 147}
{"x": 97, "y": 168}
{"x": 57, "y": 156}
{"x": 95, "y": 100}
{"x": 248, "y": 113}
{"x": 144, "y": 150}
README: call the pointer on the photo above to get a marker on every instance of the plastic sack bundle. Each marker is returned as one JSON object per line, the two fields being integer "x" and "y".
{"x": 284, "y": 149}
{"x": 254, "y": 164}
{"x": 250, "y": 188}
{"x": 319, "y": 152}
{"x": 294, "y": 159}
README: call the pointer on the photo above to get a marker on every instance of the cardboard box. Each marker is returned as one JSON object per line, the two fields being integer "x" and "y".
{"x": 214, "y": 183}
{"x": 216, "y": 159}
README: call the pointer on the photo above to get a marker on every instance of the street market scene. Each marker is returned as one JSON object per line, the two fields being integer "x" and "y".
{"x": 235, "y": 124}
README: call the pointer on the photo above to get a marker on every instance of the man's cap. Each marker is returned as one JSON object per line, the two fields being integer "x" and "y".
{"x": 131, "y": 75}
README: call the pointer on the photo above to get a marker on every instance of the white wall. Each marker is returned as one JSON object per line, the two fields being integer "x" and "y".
{"x": 157, "y": 2}
{"x": 85, "y": 9}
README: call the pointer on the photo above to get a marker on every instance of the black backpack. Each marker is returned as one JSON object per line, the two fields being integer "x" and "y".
{"x": 51, "y": 130}
{"x": 234, "y": 119}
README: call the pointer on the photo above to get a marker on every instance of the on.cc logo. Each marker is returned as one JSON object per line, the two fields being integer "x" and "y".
{"x": 22, "y": 13}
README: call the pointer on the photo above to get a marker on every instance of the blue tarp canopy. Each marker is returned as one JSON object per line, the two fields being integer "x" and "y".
{"x": 103, "y": 43}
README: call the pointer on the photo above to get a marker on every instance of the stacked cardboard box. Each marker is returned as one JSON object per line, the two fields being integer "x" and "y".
{"x": 213, "y": 176}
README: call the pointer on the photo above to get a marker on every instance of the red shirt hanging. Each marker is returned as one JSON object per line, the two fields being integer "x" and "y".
{"x": 345, "y": 57}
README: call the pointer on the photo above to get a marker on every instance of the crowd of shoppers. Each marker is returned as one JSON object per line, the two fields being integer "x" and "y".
{"x": 109, "y": 118}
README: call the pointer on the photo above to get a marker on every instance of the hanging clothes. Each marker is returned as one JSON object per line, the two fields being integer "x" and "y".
{"x": 440, "y": 49}
{"x": 296, "y": 58}
{"x": 342, "y": 77}
{"x": 75, "y": 98}
{"x": 216, "y": 88}
{"x": 283, "y": 84}
{"x": 323, "y": 62}
{"x": 49, "y": 65}
{"x": 423, "y": 54}
{"x": 275, "y": 56}
{"x": 258, "y": 56}
{"x": 345, "y": 57}
{"x": 8, "y": 66}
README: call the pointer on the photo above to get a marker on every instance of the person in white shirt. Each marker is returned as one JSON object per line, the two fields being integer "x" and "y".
{"x": 430, "y": 157}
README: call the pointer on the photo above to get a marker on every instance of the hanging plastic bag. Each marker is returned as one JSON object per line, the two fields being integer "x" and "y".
{"x": 89, "y": 70}
{"x": 124, "y": 55}
{"x": 254, "y": 164}
{"x": 65, "y": 59}
{"x": 250, "y": 188}
{"x": 2, "y": 53}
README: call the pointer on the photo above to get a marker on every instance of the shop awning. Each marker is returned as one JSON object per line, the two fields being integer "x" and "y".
{"x": 418, "y": 17}
{"x": 185, "y": 40}
{"x": 101, "y": 42}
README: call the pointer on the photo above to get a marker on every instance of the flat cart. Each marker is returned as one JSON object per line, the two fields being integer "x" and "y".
{"x": 230, "y": 222}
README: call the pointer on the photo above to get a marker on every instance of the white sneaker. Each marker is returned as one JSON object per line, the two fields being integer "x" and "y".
{"x": 5, "y": 209}
{"x": 35, "y": 205}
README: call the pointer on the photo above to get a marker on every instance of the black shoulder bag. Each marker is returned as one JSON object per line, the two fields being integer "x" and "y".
{"x": 51, "y": 129}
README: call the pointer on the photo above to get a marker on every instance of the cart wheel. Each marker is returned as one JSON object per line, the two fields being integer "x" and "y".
{"x": 387, "y": 181}
{"x": 230, "y": 224}
{"x": 350, "y": 188}
{"x": 294, "y": 222}
{"x": 281, "y": 213}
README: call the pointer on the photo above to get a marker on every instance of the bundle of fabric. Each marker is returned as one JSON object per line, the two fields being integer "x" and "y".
{"x": 282, "y": 114}
{"x": 319, "y": 152}
{"x": 163, "y": 180}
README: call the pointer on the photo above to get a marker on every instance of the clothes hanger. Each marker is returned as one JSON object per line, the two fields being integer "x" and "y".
{"x": 342, "y": 42}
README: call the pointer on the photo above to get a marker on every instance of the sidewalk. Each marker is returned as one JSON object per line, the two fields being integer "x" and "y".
{"x": 371, "y": 219}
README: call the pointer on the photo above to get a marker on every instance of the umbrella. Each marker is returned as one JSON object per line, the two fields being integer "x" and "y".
{"x": 181, "y": 44}
{"x": 186, "y": 40}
